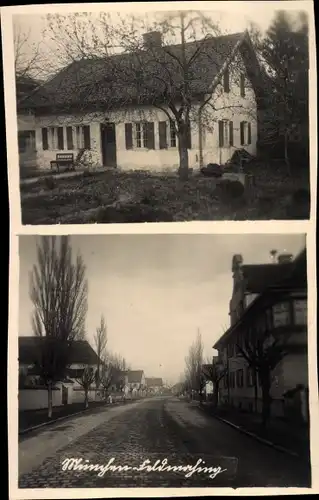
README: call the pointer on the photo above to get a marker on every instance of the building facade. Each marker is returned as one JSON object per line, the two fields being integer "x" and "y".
{"x": 263, "y": 317}
{"x": 140, "y": 136}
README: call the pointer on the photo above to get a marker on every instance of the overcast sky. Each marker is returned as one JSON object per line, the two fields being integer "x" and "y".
{"x": 155, "y": 291}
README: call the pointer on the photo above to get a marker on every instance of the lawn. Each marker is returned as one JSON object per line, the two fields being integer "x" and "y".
{"x": 136, "y": 196}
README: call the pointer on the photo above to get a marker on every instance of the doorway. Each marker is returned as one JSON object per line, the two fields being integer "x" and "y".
{"x": 108, "y": 144}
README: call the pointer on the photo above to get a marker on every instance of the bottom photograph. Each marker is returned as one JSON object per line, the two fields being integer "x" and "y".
{"x": 163, "y": 360}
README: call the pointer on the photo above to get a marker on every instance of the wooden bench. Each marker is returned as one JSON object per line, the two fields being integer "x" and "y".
{"x": 63, "y": 160}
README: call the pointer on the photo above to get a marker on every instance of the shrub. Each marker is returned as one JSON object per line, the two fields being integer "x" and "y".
{"x": 212, "y": 170}
{"x": 49, "y": 182}
{"x": 230, "y": 190}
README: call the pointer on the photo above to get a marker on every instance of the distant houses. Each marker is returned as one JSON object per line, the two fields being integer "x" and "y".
{"x": 154, "y": 385}
{"x": 33, "y": 393}
{"x": 268, "y": 316}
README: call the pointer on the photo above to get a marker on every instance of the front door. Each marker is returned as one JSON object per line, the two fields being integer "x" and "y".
{"x": 108, "y": 143}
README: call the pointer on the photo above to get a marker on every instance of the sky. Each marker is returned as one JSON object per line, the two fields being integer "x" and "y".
{"x": 157, "y": 290}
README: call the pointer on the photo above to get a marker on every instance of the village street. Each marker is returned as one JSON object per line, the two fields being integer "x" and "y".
{"x": 151, "y": 429}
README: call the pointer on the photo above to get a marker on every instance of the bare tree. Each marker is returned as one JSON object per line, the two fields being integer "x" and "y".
{"x": 158, "y": 75}
{"x": 194, "y": 362}
{"x": 86, "y": 380}
{"x": 214, "y": 372}
{"x": 58, "y": 291}
{"x": 263, "y": 352}
{"x": 100, "y": 340}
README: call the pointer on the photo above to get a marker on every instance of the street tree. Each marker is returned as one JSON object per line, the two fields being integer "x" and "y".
{"x": 85, "y": 381}
{"x": 214, "y": 373}
{"x": 263, "y": 353}
{"x": 100, "y": 341}
{"x": 194, "y": 367}
{"x": 58, "y": 291}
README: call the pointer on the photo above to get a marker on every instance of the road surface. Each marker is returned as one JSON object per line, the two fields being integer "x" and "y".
{"x": 145, "y": 439}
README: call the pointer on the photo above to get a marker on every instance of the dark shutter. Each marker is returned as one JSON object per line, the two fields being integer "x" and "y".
{"x": 87, "y": 137}
{"x": 226, "y": 80}
{"x": 242, "y": 137}
{"x": 242, "y": 85}
{"x": 221, "y": 133}
{"x": 189, "y": 136}
{"x": 45, "y": 143}
{"x": 162, "y": 131}
{"x": 128, "y": 136}
{"x": 60, "y": 139}
{"x": 231, "y": 133}
{"x": 69, "y": 138}
{"x": 150, "y": 140}
{"x": 249, "y": 133}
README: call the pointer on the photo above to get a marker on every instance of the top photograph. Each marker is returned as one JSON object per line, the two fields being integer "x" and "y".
{"x": 163, "y": 116}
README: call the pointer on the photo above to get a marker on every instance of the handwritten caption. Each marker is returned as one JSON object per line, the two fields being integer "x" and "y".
{"x": 79, "y": 464}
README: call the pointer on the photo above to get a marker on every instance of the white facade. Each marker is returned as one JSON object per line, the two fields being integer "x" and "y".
{"x": 230, "y": 106}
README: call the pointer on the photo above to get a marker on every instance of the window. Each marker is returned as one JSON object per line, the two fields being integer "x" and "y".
{"x": 145, "y": 135}
{"x": 172, "y": 134}
{"x": 52, "y": 138}
{"x": 242, "y": 85}
{"x": 226, "y": 134}
{"x": 83, "y": 139}
{"x": 45, "y": 139}
{"x": 300, "y": 312}
{"x": 281, "y": 314}
{"x": 226, "y": 81}
{"x": 128, "y": 136}
{"x": 249, "y": 377}
{"x": 162, "y": 132}
{"x": 245, "y": 133}
{"x": 69, "y": 138}
{"x": 240, "y": 378}
{"x": 26, "y": 141}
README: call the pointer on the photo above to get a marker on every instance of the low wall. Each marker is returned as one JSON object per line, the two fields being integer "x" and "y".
{"x": 35, "y": 399}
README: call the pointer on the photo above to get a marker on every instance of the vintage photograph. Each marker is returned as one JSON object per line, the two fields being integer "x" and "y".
{"x": 163, "y": 115}
{"x": 164, "y": 360}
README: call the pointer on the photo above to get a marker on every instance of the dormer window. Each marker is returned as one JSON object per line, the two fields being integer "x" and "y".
{"x": 226, "y": 81}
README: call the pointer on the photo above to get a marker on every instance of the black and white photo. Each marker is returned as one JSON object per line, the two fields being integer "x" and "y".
{"x": 165, "y": 115}
{"x": 163, "y": 361}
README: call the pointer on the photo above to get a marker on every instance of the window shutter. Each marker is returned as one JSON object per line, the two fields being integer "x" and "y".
{"x": 221, "y": 133}
{"x": 242, "y": 85}
{"x": 189, "y": 136}
{"x": 249, "y": 133}
{"x": 86, "y": 137}
{"x": 128, "y": 136}
{"x": 150, "y": 140}
{"x": 69, "y": 138}
{"x": 45, "y": 143}
{"x": 60, "y": 138}
{"x": 162, "y": 131}
{"x": 242, "y": 138}
{"x": 231, "y": 133}
{"x": 226, "y": 80}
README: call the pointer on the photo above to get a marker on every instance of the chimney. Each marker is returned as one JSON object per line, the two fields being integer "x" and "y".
{"x": 237, "y": 262}
{"x": 152, "y": 39}
{"x": 285, "y": 258}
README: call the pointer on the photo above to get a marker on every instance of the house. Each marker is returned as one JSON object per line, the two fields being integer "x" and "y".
{"x": 99, "y": 106}
{"x": 25, "y": 87}
{"x": 134, "y": 382}
{"x": 33, "y": 394}
{"x": 154, "y": 385}
{"x": 268, "y": 301}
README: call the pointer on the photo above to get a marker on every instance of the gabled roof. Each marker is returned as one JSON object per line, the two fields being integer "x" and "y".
{"x": 154, "y": 382}
{"x": 114, "y": 79}
{"x": 134, "y": 376}
{"x": 258, "y": 277}
{"x": 294, "y": 278}
{"x": 81, "y": 352}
